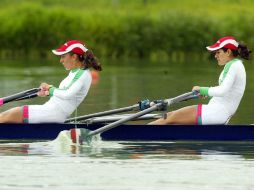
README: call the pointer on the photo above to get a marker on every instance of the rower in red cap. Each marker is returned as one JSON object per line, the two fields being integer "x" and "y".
{"x": 77, "y": 59}
{"x": 226, "y": 97}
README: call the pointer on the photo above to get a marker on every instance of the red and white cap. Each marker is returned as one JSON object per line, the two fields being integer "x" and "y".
{"x": 74, "y": 46}
{"x": 227, "y": 42}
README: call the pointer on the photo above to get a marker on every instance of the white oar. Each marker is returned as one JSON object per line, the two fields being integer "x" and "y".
{"x": 134, "y": 107}
{"x": 112, "y": 118}
{"x": 104, "y": 113}
{"x": 86, "y": 134}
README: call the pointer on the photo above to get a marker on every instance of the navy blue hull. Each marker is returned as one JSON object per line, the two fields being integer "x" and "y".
{"x": 211, "y": 133}
{"x": 134, "y": 132}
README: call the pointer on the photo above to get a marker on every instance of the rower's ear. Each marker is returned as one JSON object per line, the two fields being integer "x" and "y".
{"x": 229, "y": 52}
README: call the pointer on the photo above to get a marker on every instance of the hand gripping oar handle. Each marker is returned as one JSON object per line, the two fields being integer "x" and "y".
{"x": 155, "y": 107}
{"x": 18, "y": 96}
{"x": 104, "y": 113}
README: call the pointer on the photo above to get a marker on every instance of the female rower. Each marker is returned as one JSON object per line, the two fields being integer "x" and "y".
{"x": 77, "y": 59}
{"x": 226, "y": 97}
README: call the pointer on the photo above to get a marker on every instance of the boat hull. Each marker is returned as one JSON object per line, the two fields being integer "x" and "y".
{"x": 49, "y": 131}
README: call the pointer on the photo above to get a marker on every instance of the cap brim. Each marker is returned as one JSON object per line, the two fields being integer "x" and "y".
{"x": 213, "y": 47}
{"x": 59, "y": 52}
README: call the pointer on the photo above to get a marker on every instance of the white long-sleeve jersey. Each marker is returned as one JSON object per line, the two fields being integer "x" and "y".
{"x": 232, "y": 82}
{"x": 71, "y": 92}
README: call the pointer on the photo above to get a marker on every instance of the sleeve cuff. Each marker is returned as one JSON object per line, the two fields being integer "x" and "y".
{"x": 204, "y": 91}
{"x": 51, "y": 91}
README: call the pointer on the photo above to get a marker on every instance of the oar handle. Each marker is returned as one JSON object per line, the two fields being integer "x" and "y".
{"x": 18, "y": 96}
{"x": 27, "y": 97}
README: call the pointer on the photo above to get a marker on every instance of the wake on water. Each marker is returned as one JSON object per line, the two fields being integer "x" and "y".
{"x": 62, "y": 145}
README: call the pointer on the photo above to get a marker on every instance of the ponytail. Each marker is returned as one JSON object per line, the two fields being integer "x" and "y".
{"x": 90, "y": 60}
{"x": 243, "y": 51}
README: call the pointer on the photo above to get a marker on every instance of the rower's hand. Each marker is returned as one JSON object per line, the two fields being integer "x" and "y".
{"x": 44, "y": 90}
{"x": 197, "y": 90}
{"x": 44, "y": 86}
{"x": 43, "y": 93}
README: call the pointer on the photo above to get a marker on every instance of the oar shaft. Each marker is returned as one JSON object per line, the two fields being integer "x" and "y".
{"x": 182, "y": 97}
{"x": 27, "y": 97}
{"x": 18, "y": 95}
{"x": 113, "y": 118}
{"x": 104, "y": 113}
{"x": 119, "y": 122}
{"x": 155, "y": 107}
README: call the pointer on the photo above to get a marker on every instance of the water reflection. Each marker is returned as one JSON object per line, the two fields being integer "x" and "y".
{"x": 135, "y": 150}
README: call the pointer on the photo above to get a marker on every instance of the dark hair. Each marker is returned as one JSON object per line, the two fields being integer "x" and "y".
{"x": 89, "y": 60}
{"x": 241, "y": 51}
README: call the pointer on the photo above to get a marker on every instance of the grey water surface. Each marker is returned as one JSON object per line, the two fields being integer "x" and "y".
{"x": 128, "y": 165}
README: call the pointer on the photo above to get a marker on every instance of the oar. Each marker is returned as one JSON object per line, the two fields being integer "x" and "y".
{"x": 19, "y": 96}
{"x": 86, "y": 134}
{"x": 104, "y": 113}
{"x": 27, "y": 97}
{"x": 112, "y": 118}
{"x": 114, "y": 111}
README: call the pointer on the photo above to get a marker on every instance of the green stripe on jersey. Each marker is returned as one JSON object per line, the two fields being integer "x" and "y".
{"x": 76, "y": 77}
{"x": 226, "y": 69}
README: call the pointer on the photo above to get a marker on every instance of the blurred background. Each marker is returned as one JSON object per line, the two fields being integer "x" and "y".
{"x": 148, "y": 48}
{"x": 154, "y": 29}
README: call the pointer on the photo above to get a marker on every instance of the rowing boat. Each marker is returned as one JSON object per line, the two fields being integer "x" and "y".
{"x": 127, "y": 132}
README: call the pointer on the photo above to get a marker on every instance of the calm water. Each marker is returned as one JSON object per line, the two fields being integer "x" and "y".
{"x": 126, "y": 165}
